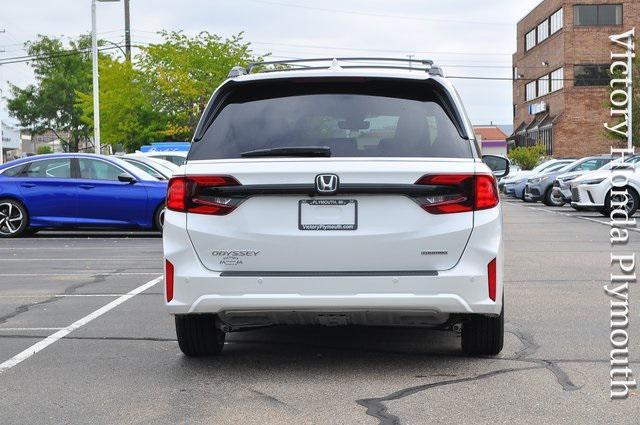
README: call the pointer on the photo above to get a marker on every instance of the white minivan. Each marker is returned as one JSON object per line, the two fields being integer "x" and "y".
{"x": 339, "y": 193}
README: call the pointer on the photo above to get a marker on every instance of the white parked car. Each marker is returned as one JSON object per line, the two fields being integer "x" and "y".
{"x": 159, "y": 168}
{"x": 592, "y": 191}
{"x": 177, "y": 157}
{"x": 512, "y": 182}
{"x": 335, "y": 196}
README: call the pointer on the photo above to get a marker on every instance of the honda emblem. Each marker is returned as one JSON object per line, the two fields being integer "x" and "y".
{"x": 327, "y": 184}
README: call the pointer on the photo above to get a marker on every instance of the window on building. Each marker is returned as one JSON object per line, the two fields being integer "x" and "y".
{"x": 557, "y": 79}
{"x": 531, "y": 90}
{"x": 530, "y": 40}
{"x": 597, "y": 15}
{"x": 610, "y": 14}
{"x": 557, "y": 21}
{"x": 515, "y": 72}
{"x": 591, "y": 75}
{"x": 543, "y": 85}
{"x": 543, "y": 31}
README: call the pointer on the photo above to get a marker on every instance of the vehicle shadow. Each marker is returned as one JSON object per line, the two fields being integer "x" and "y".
{"x": 344, "y": 347}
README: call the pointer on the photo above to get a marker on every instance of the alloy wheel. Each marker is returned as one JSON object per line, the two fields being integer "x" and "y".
{"x": 11, "y": 218}
{"x": 161, "y": 218}
{"x": 629, "y": 206}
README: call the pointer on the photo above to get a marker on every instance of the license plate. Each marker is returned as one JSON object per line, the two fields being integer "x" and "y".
{"x": 328, "y": 214}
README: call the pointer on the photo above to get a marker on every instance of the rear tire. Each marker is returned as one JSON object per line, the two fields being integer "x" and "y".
{"x": 198, "y": 335}
{"x": 158, "y": 218}
{"x": 483, "y": 335}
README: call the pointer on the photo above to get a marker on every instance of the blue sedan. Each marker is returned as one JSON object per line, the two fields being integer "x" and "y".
{"x": 77, "y": 190}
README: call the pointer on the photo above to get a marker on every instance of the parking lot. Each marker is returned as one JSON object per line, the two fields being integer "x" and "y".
{"x": 112, "y": 357}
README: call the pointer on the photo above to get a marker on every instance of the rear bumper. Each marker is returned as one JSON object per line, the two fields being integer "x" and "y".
{"x": 462, "y": 289}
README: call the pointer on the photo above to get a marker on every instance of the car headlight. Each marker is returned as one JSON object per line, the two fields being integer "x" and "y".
{"x": 568, "y": 179}
{"x": 534, "y": 181}
{"x": 593, "y": 181}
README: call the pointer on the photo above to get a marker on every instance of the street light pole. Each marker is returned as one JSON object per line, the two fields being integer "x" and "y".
{"x": 96, "y": 88}
{"x": 96, "y": 83}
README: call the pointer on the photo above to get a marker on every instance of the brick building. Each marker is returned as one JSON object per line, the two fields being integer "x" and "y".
{"x": 561, "y": 75}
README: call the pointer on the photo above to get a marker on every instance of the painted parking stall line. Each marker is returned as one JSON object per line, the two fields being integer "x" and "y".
{"x": 39, "y": 346}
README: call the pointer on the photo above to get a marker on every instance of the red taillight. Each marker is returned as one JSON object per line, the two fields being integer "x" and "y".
{"x": 486, "y": 192}
{"x": 461, "y": 193}
{"x": 188, "y": 194}
{"x": 168, "y": 279}
{"x": 491, "y": 273}
{"x": 177, "y": 194}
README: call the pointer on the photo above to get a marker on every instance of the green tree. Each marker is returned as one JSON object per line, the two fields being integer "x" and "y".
{"x": 50, "y": 104}
{"x": 127, "y": 115}
{"x": 44, "y": 149}
{"x": 527, "y": 157}
{"x": 185, "y": 71}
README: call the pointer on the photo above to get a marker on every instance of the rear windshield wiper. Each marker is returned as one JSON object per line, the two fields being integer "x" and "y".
{"x": 305, "y": 151}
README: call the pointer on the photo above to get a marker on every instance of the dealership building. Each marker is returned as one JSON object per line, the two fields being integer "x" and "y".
{"x": 561, "y": 74}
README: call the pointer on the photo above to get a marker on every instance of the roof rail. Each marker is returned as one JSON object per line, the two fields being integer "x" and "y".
{"x": 424, "y": 65}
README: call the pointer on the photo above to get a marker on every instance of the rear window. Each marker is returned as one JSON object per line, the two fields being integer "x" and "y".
{"x": 355, "y": 119}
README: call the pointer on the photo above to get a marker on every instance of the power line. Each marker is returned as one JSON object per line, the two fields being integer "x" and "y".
{"x": 377, "y": 15}
{"x": 358, "y": 49}
{"x": 30, "y": 58}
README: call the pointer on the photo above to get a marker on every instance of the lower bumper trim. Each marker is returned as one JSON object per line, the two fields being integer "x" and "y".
{"x": 232, "y": 273}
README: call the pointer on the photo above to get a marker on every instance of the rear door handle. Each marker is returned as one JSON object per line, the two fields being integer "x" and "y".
{"x": 86, "y": 186}
{"x": 28, "y": 185}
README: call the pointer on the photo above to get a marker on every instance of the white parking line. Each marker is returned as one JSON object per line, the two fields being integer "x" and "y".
{"x": 81, "y": 259}
{"x": 61, "y": 295}
{"x": 569, "y": 214}
{"x": 88, "y": 273}
{"x": 39, "y": 346}
{"x": 29, "y": 329}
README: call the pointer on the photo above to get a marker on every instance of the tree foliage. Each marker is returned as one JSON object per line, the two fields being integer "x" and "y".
{"x": 527, "y": 157}
{"x": 50, "y": 103}
{"x": 127, "y": 116}
{"x": 160, "y": 96}
{"x": 186, "y": 70}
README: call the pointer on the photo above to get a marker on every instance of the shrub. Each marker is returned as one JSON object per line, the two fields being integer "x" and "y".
{"x": 44, "y": 149}
{"x": 527, "y": 157}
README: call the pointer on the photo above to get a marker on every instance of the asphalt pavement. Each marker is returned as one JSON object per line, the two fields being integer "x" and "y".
{"x": 84, "y": 339}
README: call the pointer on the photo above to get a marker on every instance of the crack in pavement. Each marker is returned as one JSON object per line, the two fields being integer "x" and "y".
{"x": 376, "y": 407}
{"x": 71, "y": 290}
{"x": 274, "y": 401}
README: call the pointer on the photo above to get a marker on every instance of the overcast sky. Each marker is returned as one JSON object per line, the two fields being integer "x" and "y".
{"x": 468, "y": 37}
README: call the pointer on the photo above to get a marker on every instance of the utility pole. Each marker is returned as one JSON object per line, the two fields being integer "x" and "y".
{"x": 127, "y": 30}
{"x": 410, "y": 61}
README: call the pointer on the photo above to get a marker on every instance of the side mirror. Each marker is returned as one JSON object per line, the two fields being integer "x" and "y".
{"x": 498, "y": 165}
{"x": 126, "y": 178}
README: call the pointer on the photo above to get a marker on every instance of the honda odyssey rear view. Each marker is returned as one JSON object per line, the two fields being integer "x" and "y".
{"x": 343, "y": 194}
